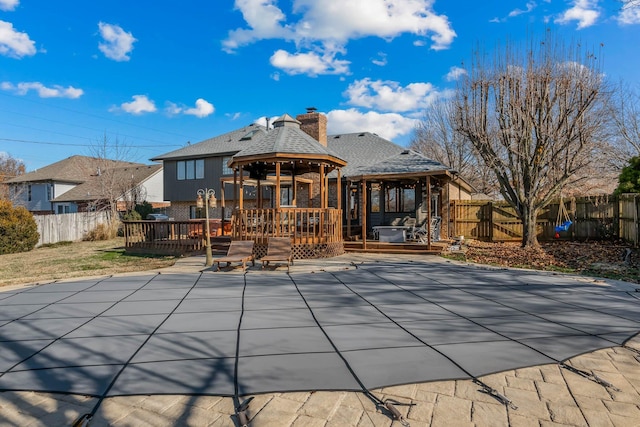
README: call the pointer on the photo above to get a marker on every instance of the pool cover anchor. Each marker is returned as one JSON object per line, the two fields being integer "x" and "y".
{"x": 590, "y": 376}
{"x": 390, "y": 405}
{"x": 487, "y": 389}
{"x": 241, "y": 412}
{"x": 83, "y": 421}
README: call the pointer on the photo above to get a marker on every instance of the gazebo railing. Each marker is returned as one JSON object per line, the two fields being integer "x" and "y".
{"x": 302, "y": 225}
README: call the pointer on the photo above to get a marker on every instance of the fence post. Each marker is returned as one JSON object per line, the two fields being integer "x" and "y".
{"x": 490, "y": 205}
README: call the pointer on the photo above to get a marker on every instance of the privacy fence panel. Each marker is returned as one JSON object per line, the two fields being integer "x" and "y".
{"x": 596, "y": 218}
{"x": 67, "y": 227}
{"x": 630, "y": 218}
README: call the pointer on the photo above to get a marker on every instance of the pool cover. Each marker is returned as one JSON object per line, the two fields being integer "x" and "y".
{"x": 380, "y": 324}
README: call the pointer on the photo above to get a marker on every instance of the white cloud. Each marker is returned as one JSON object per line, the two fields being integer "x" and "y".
{"x": 390, "y": 96}
{"x": 454, "y": 74}
{"x": 140, "y": 105}
{"x": 172, "y": 108}
{"x": 117, "y": 42}
{"x": 233, "y": 116}
{"x": 530, "y": 6}
{"x": 381, "y": 60}
{"x": 629, "y": 15}
{"x": 14, "y": 43}
{"x": 9, "y": 4}
{"x": 387, "y": 125}
{"x": 330, "y": 24}
{"x": 56, "y": 91}
{"x": 265, "y": 21}
{"x": 310, "y": 63}
{"x": 202, "y": 109}
{"x": 584, "y": 11}
{"x": 263, "y": 121}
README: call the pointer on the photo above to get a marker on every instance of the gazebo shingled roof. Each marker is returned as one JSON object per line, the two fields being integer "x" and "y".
{"x": 286, "y": 141}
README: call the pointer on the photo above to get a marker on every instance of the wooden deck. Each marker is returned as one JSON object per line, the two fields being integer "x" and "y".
{"x": 374, "y": 246}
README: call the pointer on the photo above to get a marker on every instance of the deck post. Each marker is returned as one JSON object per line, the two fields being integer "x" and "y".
{"x": 363, "y": 214}
{"x": 428, "y": 201}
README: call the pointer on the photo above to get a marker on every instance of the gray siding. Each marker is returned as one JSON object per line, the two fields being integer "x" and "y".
{"x": 185, "y": 190}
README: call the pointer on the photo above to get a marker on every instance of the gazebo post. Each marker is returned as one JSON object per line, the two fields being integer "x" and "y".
{"x": 241, "y": 191}
{"x": 222, "y": 205}
{"x": 322, "y": 187}
{"x": 339, "y": 191}
{"x": 363, "y": 214}
{"x": 428, "y": 212}
{"x": 277, "y": 186}
{"x": 348, "y": 207}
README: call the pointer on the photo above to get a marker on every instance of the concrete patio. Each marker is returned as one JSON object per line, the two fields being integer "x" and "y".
{"x": 159, "y": 349}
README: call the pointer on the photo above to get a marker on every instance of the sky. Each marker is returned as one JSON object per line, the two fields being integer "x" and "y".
{"x": 153, "y": 76}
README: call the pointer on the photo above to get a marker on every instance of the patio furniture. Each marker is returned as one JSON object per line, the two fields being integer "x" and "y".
{"x": 239, "y": 251}
{"x": 391, "y": 233}
{"x": 278, "y": 250}
{"x": 422, "y": 233}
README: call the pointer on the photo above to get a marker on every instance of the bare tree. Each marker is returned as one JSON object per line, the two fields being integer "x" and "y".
{"x": 10, "y": 167}
{"x": 535, "y": 116}
{"x": 626, "y": 116}
{"x": 112, "y": 184}
{"x": 436, "y": 138}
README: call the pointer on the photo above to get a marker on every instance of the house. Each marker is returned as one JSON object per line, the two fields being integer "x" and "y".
{"x": 370, "y": 179}
{"x": 81, "y": 183}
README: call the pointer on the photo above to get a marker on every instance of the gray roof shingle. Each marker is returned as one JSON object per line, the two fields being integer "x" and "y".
{"x": 287, "y": 139}
{"x": 407, "y": 161}
{"x": 92, "y": 189}
{"x": 74, "y": 169}
{"x": 228, "y": 143}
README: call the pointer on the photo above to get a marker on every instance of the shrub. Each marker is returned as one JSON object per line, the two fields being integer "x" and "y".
{"x": 144, "y": 209}
{"x": 103, "y": 231}
{"x": 18, "y": 229}
{"x": 629, "y": 180}
{"x": 132, "y": 216}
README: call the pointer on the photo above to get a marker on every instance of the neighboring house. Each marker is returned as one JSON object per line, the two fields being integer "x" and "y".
{"x": 81, "y": 183}
{"x": 395, "y": 177}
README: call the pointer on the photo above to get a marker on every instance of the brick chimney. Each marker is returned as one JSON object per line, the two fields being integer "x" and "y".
{"x": 314, "y": 124}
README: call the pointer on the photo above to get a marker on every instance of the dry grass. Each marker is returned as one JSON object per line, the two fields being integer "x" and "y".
{"x": 77, "y": 259}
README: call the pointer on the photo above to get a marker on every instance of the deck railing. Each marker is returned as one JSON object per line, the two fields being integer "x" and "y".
{"x": 302, "y": 225}
{"x": 167, "y": 237}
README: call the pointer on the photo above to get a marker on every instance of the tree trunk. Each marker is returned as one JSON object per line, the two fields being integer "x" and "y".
{"x": 529, "y": 219}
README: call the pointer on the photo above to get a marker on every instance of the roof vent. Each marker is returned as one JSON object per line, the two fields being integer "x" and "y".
{"x": 362, "y": 134}
{"x": 336, "y": 137}
{"x": 311, "y": 110}
{"x": 405, "y": 152}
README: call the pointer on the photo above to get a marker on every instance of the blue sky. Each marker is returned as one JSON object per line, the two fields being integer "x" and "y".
{"x": 155, "y": 75}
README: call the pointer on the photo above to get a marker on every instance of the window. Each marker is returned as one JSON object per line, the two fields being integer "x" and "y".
{"x": 190, "y": 169}
{"x": 226, "y": 170}
{"x": 196, "y": 212}
{"x": 63, "y": 209}
{"x": 400, "y": 199}
{"x": 49, "y": 188}
{"x": 29, "y": 197}
{"x": 375, "y": 197}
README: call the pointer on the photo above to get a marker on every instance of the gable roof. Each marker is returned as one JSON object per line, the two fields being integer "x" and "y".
{"x": 227, "y": 143}
{"x": 92, "y": 189}
{"x": 74, "y": 169}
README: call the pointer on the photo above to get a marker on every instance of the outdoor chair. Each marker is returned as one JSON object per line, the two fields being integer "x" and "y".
{"x": 421, "y": 233}
{"x": 239, "y": 251}
{"x": 278, "y": 250}
{"x": 410, "y": 225}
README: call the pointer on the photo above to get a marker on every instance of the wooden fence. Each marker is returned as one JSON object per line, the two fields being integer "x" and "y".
{"x": 595, "y": 218}
{"x": 68, "y": 227}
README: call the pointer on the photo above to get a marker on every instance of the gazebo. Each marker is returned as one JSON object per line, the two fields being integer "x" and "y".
{"x": 287, "y": 161}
